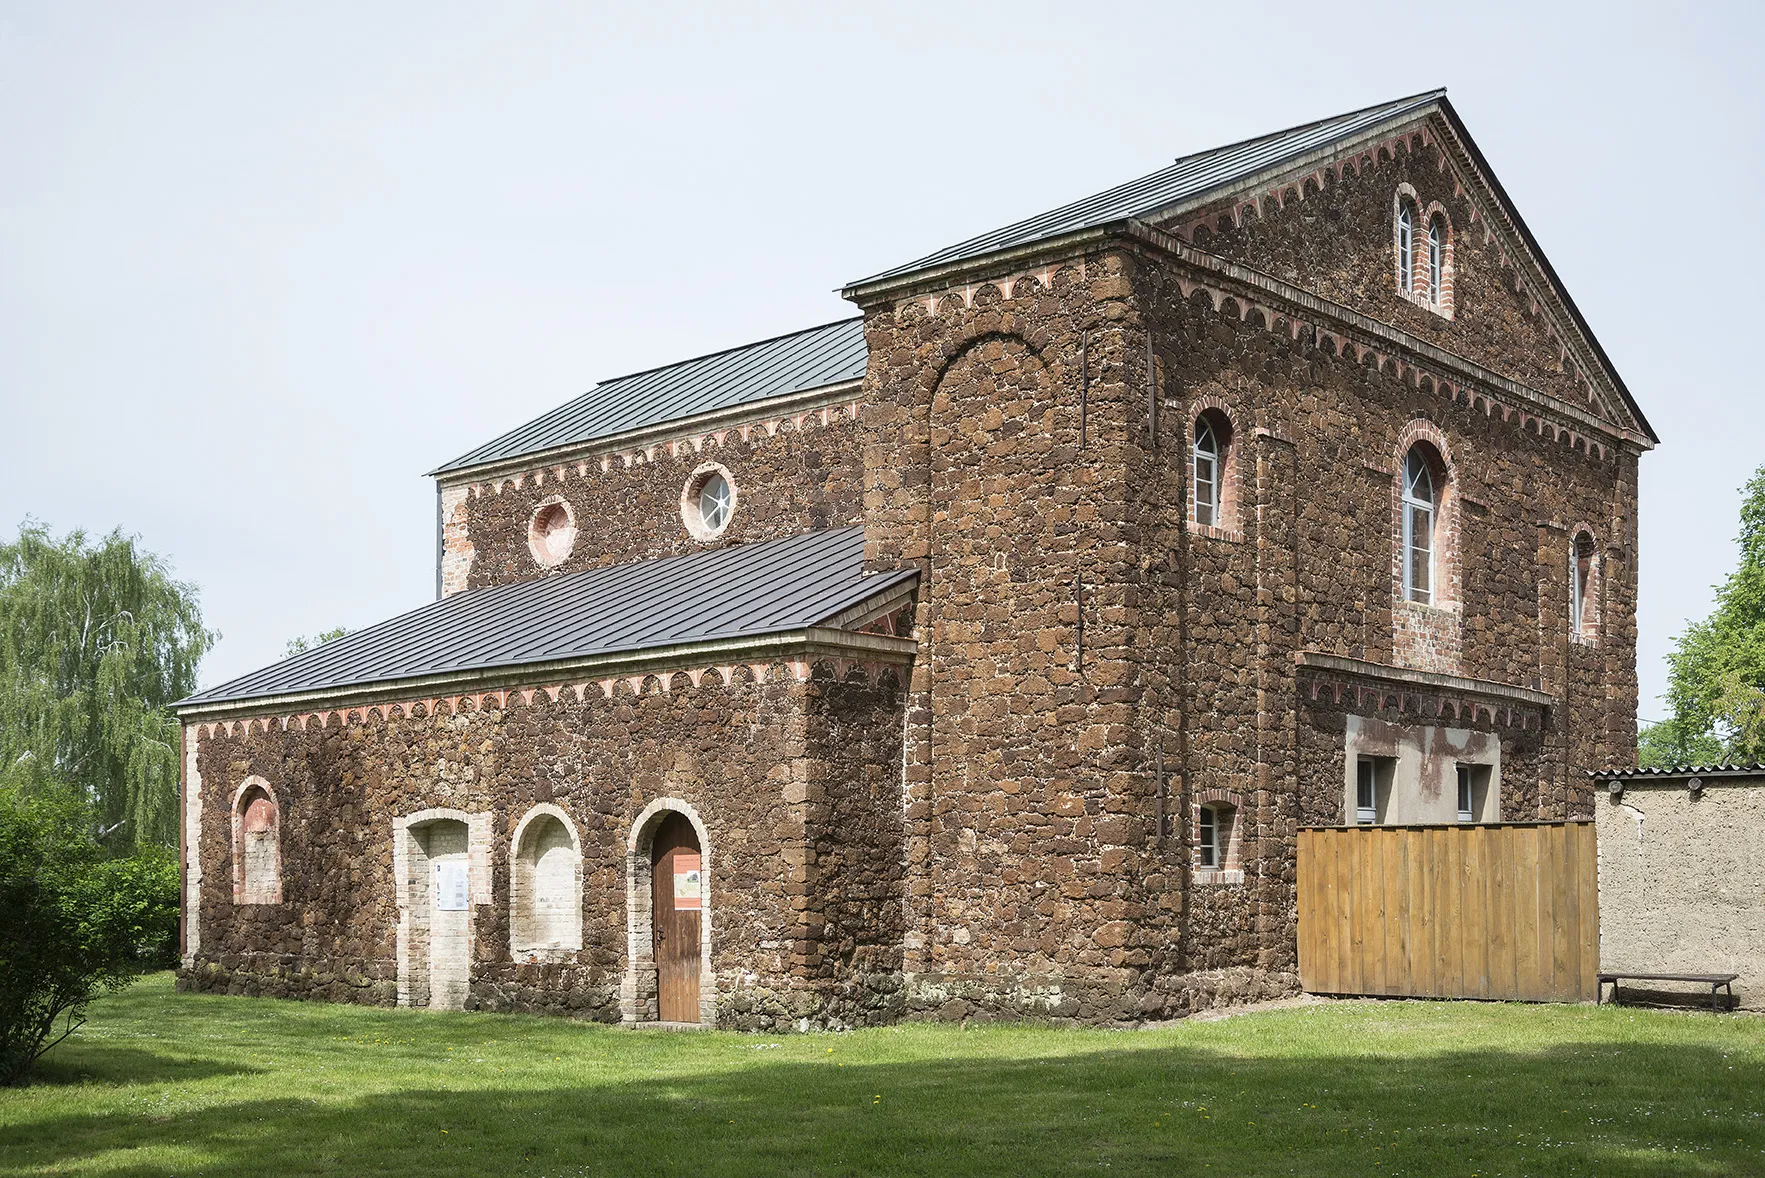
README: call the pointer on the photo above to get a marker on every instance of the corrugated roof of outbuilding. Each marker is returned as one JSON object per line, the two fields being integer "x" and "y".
{"x": 738, "y": 592}
{"x": 1191, "y": 176}
{"x": 831, "y": 354}
{"x": 1673, "y": 772}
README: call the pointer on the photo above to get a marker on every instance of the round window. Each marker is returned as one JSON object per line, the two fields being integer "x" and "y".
{"x": 552, "y": 534}
{"x": 708, "y": 501}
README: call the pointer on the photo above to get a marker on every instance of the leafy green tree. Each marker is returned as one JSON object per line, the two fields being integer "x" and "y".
{"x": 74, "y": 922}
{"x": 303, "y": 644}
{"x": 96, "y": 639}
{"x": 1716, "y": 673}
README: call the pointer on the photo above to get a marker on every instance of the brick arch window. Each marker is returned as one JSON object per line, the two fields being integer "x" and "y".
{"x": 545, "y": 885}
{"x": 551, "y": 533}
{"x": 1423, "y": 482}
{"x": 1212, "y": 488}
{"x": 1406, "y": 244}
{"x": 1583, "y": 586}
{"x": 1217, "y": 837}
{"x": 257, "y": 844}
{"x": 1436, "y": 258}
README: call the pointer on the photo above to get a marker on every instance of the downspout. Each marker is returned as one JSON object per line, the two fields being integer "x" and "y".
{"x": 440, "y": 544}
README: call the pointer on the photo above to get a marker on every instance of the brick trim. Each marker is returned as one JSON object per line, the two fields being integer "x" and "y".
{"x": 1593, "y": 596}
{"x": 1231, "y": 863}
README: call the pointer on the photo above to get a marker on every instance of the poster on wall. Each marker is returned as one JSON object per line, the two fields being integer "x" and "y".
{"x": 450, "y": 885}
{"x": 687, "y": 882}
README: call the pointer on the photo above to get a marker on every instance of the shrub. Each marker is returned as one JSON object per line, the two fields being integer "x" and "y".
{"x": 73, "y": 923}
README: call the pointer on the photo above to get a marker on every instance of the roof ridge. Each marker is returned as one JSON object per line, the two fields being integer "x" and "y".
{"x": 1437, "y": 92}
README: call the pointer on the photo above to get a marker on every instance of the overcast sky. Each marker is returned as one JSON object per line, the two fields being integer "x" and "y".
{"x": 261, "y": 266}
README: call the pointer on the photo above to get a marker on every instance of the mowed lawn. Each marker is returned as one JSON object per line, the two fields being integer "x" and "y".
{"x": 162, "y": 1083}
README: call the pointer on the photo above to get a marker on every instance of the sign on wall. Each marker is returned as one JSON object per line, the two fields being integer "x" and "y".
{"x": 687, "y": 882}
{"x": 450, "y": 885}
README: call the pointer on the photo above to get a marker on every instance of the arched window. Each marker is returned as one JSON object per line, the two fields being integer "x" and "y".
{"x": 257, "y": 846}
{"x": 1420, "y": 499}
{"x": 546, "y": 887}
{"x": 1208, "y": 468}
{"x": 1581, "y": 563}
{"x": 1406, "y": 249}
{"x": 1436, "y": 259}
{"x": 1215, "y": 836}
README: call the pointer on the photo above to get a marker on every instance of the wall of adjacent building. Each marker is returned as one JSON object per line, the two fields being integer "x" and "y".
{"x": 1682, "y": 884}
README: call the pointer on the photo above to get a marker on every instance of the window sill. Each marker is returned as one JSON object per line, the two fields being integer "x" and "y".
{"x": 1426, "y": 304}
{"x": 1215, "y": 533}
{"x": 1216, "y": 876}
{"x": 1451, "y": 610}
{"x": 1591, "y": 641}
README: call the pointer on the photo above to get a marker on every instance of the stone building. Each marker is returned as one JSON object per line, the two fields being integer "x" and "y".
{"x": 982, "y": 654}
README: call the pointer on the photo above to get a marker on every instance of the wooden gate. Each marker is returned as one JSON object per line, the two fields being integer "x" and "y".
{"x": 1505, "y": 911}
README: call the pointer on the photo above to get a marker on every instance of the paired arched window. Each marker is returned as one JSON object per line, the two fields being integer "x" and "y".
{"x": 257, "y": 845}
{"x": 1406, "y": 248}
{"x": 1209, "y": 467}
{"x": 1581, "y": 573}
{"x": 546, "y": 892}
{"x": 1421, "y": 502}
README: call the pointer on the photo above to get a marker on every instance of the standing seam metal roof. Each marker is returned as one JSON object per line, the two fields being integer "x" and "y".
{"x": 830, "y": 354}
{"x": 1191, "y": 176}
{"x": 743, "y": 591}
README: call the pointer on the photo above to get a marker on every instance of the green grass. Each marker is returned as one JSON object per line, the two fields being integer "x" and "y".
{"x": 163, "y": 1083}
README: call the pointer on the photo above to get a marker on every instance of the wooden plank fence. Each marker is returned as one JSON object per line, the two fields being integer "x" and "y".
{"x": 1507, "y": 911}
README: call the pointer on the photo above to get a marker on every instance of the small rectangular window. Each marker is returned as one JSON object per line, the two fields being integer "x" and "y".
{"x": 1372, "y": 788}
{"x": 1474, "y": 793}
{"x": 1209, "y": 841}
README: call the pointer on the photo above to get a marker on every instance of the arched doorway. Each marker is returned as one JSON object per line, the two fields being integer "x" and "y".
{"x": 676, "y": 909}
{"x": 440, "y": 914}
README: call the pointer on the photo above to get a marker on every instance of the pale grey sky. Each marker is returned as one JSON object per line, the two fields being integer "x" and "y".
{"x": 262, "y": 266}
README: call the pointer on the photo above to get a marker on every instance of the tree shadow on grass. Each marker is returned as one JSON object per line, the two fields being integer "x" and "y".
{"x": 82, "y": 1061}
{"x": 1629, "y": 1111}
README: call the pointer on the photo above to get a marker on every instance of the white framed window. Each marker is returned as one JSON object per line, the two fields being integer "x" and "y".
{"x": 1473, "y": 782}
{"x": 1406, "y": 250}
{"x": 1418, "y": 528}
{"x": 1436, "y": 259}
{"x": 1207, "y": 473}
{"x": 1580, "y": 584}
{"x": 1372, "y": 788}
{"x": 1208, "y": 845}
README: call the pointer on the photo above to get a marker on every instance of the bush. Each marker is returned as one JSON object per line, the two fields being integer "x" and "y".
{"x": 74, "y": 923}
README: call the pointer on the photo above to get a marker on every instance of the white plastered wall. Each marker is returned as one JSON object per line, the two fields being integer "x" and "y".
{"x": 1425, "y": 788}
{"x": 1682, "y": 882}
{"x": 192, "y": 848}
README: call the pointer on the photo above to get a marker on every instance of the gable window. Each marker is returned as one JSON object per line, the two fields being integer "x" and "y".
{"x": 1436, "y": 259}
{"x": 1580, "y": 583}
{"x": 1419, "y": 501}
{"x": 1207, "y": 472}
{"x": 1406, "y": 249}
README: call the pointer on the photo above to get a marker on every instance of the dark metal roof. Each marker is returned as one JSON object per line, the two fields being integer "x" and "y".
{"x": 727, "y": 593}
{"x": 830, "y": 354}
{"x": 1675, "y": 772}
{"x": 1190, "y": 177}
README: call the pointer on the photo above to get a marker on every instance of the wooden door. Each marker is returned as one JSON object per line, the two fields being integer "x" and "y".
{"x": 676, "y": 891}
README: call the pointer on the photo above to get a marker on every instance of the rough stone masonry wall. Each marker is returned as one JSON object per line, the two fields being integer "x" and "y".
{"x": 791, "y": 476}
{"x": 739, "y": 754}
{"x": 1339, "y": 240}
{"x": 1026, "y": 791}
{"x": 1682, "y": 886}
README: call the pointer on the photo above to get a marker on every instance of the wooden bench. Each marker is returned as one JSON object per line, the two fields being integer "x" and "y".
{"x": 1716, "y": 981}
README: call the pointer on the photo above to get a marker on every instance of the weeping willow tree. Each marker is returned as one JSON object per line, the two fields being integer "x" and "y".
{"x": 96, "y": 639}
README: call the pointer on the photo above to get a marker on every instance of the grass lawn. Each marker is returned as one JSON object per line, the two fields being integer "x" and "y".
{"x": 163, "y": 1083}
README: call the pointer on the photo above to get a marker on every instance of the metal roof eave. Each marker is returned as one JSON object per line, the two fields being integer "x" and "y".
{"x": 811, "y": 398}
{"x": 802, "y": 640}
